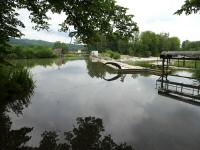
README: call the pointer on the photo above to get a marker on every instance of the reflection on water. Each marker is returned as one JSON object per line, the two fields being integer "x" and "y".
{"x": 132, "y": 111}
{"x": 16, "y": 88}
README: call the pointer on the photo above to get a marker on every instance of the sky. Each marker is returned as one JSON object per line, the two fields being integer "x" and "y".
{"x": 150, "y": 15}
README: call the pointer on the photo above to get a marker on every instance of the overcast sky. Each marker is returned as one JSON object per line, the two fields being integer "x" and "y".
{"x": 152, "y": 15}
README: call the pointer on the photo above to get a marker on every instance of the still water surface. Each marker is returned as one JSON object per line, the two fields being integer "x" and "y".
{"x": 131, "y": 109}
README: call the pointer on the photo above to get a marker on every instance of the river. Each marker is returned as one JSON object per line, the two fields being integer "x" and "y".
{"x": 131, "y": 109}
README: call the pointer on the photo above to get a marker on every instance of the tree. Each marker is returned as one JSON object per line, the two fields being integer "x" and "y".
{"x": 149, "y": 42}
{"x": 87, "y": 17}
{"x": 174, "y": 44}
{"x": 189, "y": 7}
{"x": 60, "y": 45}
{"x": 191, "y": 46}
{"x": 49, "y": 140}
{"x": 163, "y": 42}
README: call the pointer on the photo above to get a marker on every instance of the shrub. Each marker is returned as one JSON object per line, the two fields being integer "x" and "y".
{"x": 146, "y": 54}
{"x": 30, "y": 52}
{"x": 44, "y": 53}
{"x": 111, "y": 54}
{"x": 115, "y": 55}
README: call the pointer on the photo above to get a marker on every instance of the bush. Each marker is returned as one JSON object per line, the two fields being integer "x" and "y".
{"x": 115, "y": 55}
{"x": 111, "y": 54}
{"x": 146, "y": 54}
{"x": 12, "y": 56}
{"x": 44, "y": 53}
{"x": 30, "y": 52}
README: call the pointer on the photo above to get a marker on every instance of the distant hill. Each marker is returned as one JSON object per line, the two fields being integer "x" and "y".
{"x": 28, "y": 42}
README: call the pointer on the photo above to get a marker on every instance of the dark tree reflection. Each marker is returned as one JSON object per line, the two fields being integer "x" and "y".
{"x": 88, "y": 134}
{"x": 98, "y": 70}
{"x": 12, "y": 139}
{"x": 16, "y": 89}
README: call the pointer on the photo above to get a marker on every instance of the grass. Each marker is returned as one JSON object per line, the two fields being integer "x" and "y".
{"x": 188, "y": 64}
{"x": 111, "y": 54}
{"x": 16, "y": 88}
{"x": 146, "y": 64}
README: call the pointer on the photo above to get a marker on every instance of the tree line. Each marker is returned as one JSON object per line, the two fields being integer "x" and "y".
{"x": 145, "y": 44}
{"x": 34, "y": 51}
{"x": 191, "y": 45}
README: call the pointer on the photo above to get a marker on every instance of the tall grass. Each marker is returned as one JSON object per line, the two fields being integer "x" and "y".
{"x": 16, "y": 87}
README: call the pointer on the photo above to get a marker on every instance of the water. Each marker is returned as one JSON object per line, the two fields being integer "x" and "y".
{"x": 131, "y": 109}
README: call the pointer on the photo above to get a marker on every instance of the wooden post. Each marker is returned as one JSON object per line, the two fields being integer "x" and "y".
{"x": 183, "y": 62}
{"x": 167, "y": 67}
{"x": 163, "y": 71}
{"x": 178, "y": 62}
{"x": 195, "y": 63}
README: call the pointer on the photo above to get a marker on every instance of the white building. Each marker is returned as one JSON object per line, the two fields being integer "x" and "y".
{"x": 79, "y": 51}
{"x": 94, "y": 53}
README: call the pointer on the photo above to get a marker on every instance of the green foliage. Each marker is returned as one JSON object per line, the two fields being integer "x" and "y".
{"x": 87, "y": 18}
{"x": 151, "y": 44}
{"x": 29, "y": 43}
{"x": 187, "y": 64}
{"x": 174, "y": 44}
{"x": 113, "y": 42}
{"x": 146, "y": 54}
{"x": 111, "y": 54}
{"x": 145, "y": 44}
{"x": 191, "y": 46}
{"x": 189, "y": 7}
{"x": 115, "y": 55}
{"x": 17, "y": 51}
{"x": 59, "y": 45}
{"x": 16, "y": 87}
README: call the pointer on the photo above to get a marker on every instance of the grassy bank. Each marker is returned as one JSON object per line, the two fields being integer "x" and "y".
{"x": 187, "y": 64}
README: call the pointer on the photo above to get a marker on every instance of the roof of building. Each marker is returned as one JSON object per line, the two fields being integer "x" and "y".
{"x": 180, "y": 54}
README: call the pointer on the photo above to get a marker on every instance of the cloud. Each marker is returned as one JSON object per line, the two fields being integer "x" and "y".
{"x": 154, "y": 15}
{"x": 51, "y": 35}
{"x": 158, "y": 16}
